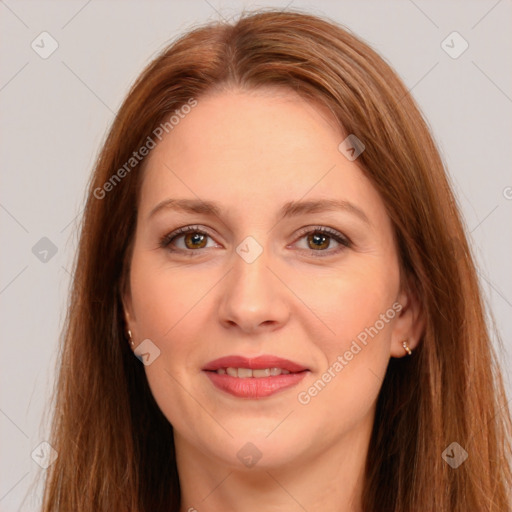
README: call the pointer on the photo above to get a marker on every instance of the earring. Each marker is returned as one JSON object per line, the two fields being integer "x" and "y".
{"x": 130, "y": 336}
{"x": 406, "y": 347}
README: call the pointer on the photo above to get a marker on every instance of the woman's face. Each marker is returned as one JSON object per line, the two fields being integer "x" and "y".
{"x": 256, "y": 278}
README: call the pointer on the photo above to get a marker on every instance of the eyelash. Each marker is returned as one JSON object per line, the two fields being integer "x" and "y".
{"x": 344, "y": 242}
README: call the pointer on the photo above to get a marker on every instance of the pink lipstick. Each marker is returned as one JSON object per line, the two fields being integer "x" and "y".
{"x": 254, "y": 378}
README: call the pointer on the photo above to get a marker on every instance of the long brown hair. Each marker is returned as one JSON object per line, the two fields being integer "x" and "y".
{"x": 115, "y": 447}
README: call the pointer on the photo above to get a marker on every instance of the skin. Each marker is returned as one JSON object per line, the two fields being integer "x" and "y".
{"x": 252, "y": 152}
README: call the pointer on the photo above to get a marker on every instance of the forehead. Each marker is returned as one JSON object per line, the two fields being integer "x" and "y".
{"x": 253, "y": 147}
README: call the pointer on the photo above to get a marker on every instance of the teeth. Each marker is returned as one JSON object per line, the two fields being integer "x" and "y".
{"x": 261, "y": 373}
{"x": 244, "y": 373}
{"x": 233, "y": 372}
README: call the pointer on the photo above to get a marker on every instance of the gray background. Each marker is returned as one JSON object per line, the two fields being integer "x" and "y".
{"x": 55, "y": 113}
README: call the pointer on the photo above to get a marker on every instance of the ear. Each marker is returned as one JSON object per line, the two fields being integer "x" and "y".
{"x": 128, "y": 312}
{"x": 409, "y": 326}
{"x": 126, "y": 301}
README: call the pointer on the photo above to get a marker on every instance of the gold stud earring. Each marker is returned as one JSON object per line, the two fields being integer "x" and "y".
{"x": 406, "y": 347}
{"x": 130, "y": 336}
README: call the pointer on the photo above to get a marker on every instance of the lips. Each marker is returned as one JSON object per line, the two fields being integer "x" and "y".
{"x": 254, "y": 378}
{"x": 256, "y": 363}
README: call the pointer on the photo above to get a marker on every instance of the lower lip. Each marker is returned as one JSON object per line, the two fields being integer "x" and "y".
{"x": 252, "y": 387}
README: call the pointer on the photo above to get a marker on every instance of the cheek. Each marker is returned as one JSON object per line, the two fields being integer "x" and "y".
{"x": 349, "y": 300}
{"x": 357, "y": 306}
{"x": 164, "y": 298}
{"x": 170, "y": 312}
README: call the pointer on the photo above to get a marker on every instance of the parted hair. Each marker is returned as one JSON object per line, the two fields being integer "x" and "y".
{"x": 115, "y": 447}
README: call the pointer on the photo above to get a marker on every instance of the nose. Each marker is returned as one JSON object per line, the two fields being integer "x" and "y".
{"x": 253, "y": 298}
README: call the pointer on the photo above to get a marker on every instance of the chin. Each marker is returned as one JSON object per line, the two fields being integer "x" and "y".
{"x": 254, "y": 449}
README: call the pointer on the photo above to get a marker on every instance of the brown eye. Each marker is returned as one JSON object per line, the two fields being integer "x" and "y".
{"x": 195, "y": 240}
{"x": 318, "y": 241}
{"x": 322, "y": 241}
{"x": 186, "y": 240}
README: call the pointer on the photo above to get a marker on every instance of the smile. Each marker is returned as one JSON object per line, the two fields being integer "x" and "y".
{"x": 244, "y": 373}
{"x": 256, "y": 377}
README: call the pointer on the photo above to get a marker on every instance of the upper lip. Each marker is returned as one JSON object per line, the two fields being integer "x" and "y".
{"x": 254, "y": 363}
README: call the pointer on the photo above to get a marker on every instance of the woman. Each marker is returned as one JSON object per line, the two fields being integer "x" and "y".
{"x": 270, "y": 230}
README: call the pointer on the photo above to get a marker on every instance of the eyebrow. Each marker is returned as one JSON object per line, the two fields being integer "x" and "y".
{"x": 289, "y": 209}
